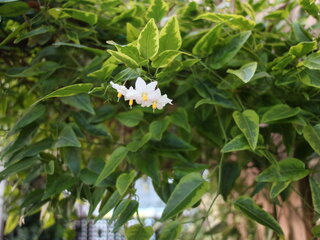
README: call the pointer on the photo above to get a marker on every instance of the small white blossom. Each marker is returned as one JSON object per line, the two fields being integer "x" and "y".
{"x": 144, "y": 90}
{"x": 130, "y": 95}
{"x": 158, "y": 101}
{"x": 122, "y": 90}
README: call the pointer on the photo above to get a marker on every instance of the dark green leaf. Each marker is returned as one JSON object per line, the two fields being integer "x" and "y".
{"x": 126, "y": 214}
{"x": 72, "y": 157}
{"x": 110, "y": 204}
{"x": 14, "y": 9}
{"x": 230, "y": 171}
{"x": 315, "y": 193}
{"x": 67, "y": 138}
{"x": 254, "y": 212}
{"x": 117, "y": 156}
{"x": 19, "y": 166}
{"x": 157, "y": 128}
{"x": 80, "y": 101}
{"x": 180, "y": 118}
{"x": 238, "y": 143}
{"x": 278, "y": 187}
{"x": 56, "y": 184}
{"x": 278, "y": 112}
{"x": 312, "y": 136}
{"x": 290, "y": 169}
{"x": 130, "y": 118}
{"x": 188, "y": 191}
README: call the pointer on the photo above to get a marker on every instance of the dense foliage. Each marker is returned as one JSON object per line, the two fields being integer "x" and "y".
{"x": 244, "y": 78}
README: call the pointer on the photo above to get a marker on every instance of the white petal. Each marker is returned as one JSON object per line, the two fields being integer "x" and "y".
{"x": 151, "y": 86}
{"x": 140, "y": 84}
{"x": 154, "y": 95}
{"x": 131, "y": 94}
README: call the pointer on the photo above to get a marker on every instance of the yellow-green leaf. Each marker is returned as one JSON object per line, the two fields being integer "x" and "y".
{"x": 170, "y": 38}
{"x": 246, "y": 72}
{"x": 124, "y": 59}
{"x": 138, "y": 232}
{"x": 148, "y": 40}
{"x": 157, "y": 10}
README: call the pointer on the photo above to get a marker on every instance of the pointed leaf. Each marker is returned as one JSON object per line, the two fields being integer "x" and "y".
{"x": 81, "y": 102}
{"x": 246, "y": 72}
{"x": 117, "y": 156}
{"x": 312, "y": 135}
{"x": 126, "y": 215}
{"x": 157, "y": 128}
{"x": 315, "y": 193}
{"x": 131, "y": 118}
{"x": 303, "y": 48}
{"x": 278, "y": 112}
{"x": 67, "y": 138}
{"x": 138, "y": 232}
{"x": 204, "y": 46}
{"x": 170, "y": 38}
{"x": 290, "y": 169}
{"x": 188, "y": 191}
{"x": 109, "y": 205}
{"x": 248, "y": 123}
{"x": 165, "y": 58}
{"x": 230, "y": 171}
{"x": 180, "y": 118}
{"x": 239, "y": 143}
{"x": 148, "y": 41}
{"x": 277, "y": 188}
{"x": 254, "y": 212}
{"x": 124, "y": 59}
{"x": 224, "y": 52}
{"x": 124, "y": 181}
{"x": 312, "y": 61}
{"x": 56, "y": 184}
{"x": 171, "y": 231}
{"x": 157, "y": 10}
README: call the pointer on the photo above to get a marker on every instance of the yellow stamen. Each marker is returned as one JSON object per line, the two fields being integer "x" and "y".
{"x": 119, "y": 96}
{"x": 130, "y": 103}
{"x": 144, "y": 97}
{"x": 154, "y": 105}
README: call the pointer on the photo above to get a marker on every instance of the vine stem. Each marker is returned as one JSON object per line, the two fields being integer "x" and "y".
{"x": 206, "y": 216}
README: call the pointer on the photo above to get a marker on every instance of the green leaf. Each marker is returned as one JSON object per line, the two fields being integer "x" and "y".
{"x": 32, "y": 114}
{"x": 312, "y": 61}
{"x": 238, "y": 143}
{"x": 138, "y": 232}
{"x": 225, "y": 51}
{"x": 89, "y": 49}
{"x": 227, "y": 103}
{"x": 135, "y": 145}
{"x": 277, "y": 188}
{"x": 124, "y": 181}
{"x": 56, "y": 184}
{"x": 233, "y": 20}
{"x": 131, "y": 118}
{"x": 246, "y": 72}
{"x": 126, "y": 215}
{"x": 117, "y": 156}
{"x": 279, "y": 112}
{"x": 171, "y": 142}
{"x": 311, "y": 7}
{"x": 19, "y": 166}
{"x": 81, "y": 102}
{"x": 310, "y": 78}
{"x": 70, "y": 90}
{"x": 110, "y": 204}
{"x": 315, "y": 193}
{"x": 204, "y": 46}
{"x": 170, "y": 38}
{"x": 230, "y": 171}
{"x": 132, "y": 52}
{"x": 157, "y": 128}
{"x": 290, "y": 169}
{"x": 157, "y": 10}
{"x": 180, "y": 118}
{"x": 72, "y": 157}
{"x": 248, "y": 123}
{"x": 67, "y": 138}
{"x": 303, "y": 48}
{"x": 188, "y": 191}
{"x": 148, "y": 41}
{"x": 36, "y": 69}
{"x": 171, "y": 231}
{"x": 14, "y": 9}
{"x": 34, "y": 32}
{"x": 247, "y": 206}
{"x": 282, "y": 62}
{"x": 312, "y": 136}
{"x": 132, "y": 32}
{"x": 165, "y": 58}
{"x": 84, "y": 16}
{"x": 316, "y": 231}
{"x": 124, "y": 59}
{"x": 11, "y": 223}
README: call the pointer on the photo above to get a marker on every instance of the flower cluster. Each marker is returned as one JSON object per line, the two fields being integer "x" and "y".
{"x": 144, "y": 94}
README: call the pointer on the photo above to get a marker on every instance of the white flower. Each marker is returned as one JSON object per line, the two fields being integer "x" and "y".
{"x": 130, "y": 95}
{"x": 144, "y": 90}
{"x": 122, "y": 90}
{"x": 157, "y": 100}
